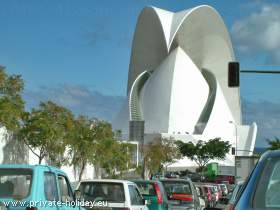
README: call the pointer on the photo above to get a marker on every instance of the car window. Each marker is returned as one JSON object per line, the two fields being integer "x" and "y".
{"x": 146, "y": 188}
{"x": 267, "y": 190}
{"x": 135, "y": 197}
{"x": 102, "y": 191}
{"x": 272, "y": 198}
{"x": 15, "y": 183}
{"x": 50, "y": 186}
{"x": 64, "y": 189}
{"x": 177, "y": 187}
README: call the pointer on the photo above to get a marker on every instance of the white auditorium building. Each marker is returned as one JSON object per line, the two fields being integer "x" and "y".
{"x": 178, "y": 81}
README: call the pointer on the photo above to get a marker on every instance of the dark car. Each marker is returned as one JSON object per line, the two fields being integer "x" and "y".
{"x": 182, "y": 194}
{"x": 153, "y": 191}
{"x": 261, "y": 189}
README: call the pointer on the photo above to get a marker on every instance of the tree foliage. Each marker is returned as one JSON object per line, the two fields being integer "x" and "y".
{"x": 274, "y": 144}
{"x": 11, "y": 102}
{"x": 202, "y": 152}
{"x": 82, "y": 148}
{"x": 160, "y": 152}
{"x": 114, "y": 157}
{"x": 86, "y": 141}
{"x": 46, "y": 132}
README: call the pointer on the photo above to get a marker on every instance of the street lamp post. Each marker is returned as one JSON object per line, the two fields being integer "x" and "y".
{"x": 235, "y": 169}
{"x": 235, "y": 136}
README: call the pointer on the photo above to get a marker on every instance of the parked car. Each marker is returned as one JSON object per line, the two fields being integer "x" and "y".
{"x": 261, "y": 189}
{"x": 214, "y": 192}
{"x": 219, "y": 190}
{"x": 201, "y": 196}
{"x": 172, "y": 175}
{"x": 181, "y": 194}
{"x": 116, "y": 194}
{"x": 153, "y": 191}
{"x": 208, "y": 194}
{"x": 233, "y": 196}
{"x": 195, "y": 177}
{"x": 224, "y": 189}
{"x": 25, "y": 187}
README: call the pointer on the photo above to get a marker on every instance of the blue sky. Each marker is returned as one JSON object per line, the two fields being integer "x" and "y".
{"x": 77, "y": 52}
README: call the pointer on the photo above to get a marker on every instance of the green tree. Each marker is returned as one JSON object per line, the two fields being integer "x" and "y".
{"x": 46, "y": 132}
{"x": 204, "y": 151}
{"x": 158, "y": 153}
{"x": 114, "y": 157}
{"x": 11, "y": 102}
{"x": 274, "y": 144}
{"x": 82, "y": 144}
{"x": 91, "y": 143}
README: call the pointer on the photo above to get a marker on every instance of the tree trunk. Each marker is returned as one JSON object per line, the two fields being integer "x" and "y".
{"x": 82, "y": 170}
{"x": 143, "y": 168}
{"x": 40, "y": 160}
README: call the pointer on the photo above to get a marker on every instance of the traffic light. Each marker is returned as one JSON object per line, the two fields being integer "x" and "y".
{"x": 233, "y": 150}
{"x": 233, "y": 74}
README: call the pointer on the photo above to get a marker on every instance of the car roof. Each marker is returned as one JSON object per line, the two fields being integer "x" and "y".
{"x": 144, "y": 181}
{"x": 270, "y": 153}
{"x": 108, "y": 180}
{"x": 175, "y": 180}
{"x": 26, "y": 166}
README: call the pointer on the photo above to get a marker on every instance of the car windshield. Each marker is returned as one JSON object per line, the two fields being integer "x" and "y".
{"x": 177, "y": 187}
{"x": 146, "y": 189}
{"x": 102, "y": 191}
{"x": 15, "y": 183}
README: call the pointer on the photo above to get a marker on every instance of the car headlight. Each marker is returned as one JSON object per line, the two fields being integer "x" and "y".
{"x": 2, "y": 206}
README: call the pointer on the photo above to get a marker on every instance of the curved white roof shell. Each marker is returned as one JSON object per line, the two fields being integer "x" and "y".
{"x": 199, "y": 31}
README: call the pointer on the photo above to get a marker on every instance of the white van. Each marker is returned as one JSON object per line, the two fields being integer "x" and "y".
{"x": 111, "y": 194}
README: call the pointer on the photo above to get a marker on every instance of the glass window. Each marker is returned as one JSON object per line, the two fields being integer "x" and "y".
{"x": 272, "y": 198}
{"x": 267, "y": 191}
{"x": 135, "y": 196}
{"x": 15, "y": 183}
{"x": 50, "y": 186}
{"x": 146, "y": 188}
{"x": 103, "y": 191}
{"x": 64, "y": 189}
{"x": 177, "y": 187}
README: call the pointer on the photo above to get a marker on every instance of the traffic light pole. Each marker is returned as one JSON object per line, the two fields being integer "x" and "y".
{"x": 260, "y": 72}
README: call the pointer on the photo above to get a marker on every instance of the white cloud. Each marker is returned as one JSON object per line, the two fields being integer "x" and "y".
{"x": 259, "y": 32}
{"x": 267, "y": 116}
{"x": 79, "y": 99}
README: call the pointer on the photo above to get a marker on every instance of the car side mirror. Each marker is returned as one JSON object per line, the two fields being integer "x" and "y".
{"x": 78, "y": 194}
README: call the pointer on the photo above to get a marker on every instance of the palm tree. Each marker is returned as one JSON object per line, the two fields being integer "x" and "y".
{"x": 273, "y": 144}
